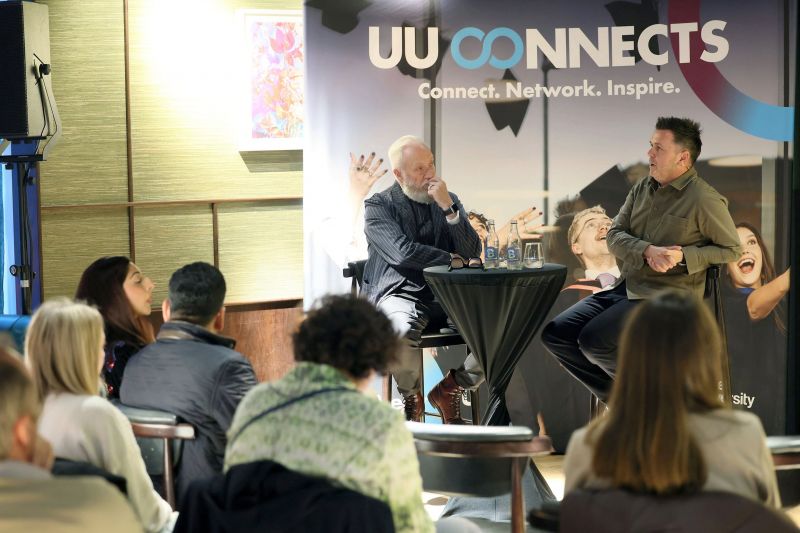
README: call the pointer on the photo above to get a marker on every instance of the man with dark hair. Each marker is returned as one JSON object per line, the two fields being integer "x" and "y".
{"x": 672, "y": 227}
{"x": 191, "y": 370}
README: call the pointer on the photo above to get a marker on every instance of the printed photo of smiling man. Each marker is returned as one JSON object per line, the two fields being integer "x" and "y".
{"x": 671, "y": 228}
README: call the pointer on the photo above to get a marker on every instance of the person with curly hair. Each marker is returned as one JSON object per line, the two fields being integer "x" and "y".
{"x": 323, "y": 422}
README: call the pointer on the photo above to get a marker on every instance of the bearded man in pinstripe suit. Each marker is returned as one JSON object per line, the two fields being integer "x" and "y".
{"x": 414, "y": 224}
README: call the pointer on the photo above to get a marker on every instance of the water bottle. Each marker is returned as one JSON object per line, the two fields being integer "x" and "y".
{"x": 491, "y": 247}
{"x": 514, "y": 250}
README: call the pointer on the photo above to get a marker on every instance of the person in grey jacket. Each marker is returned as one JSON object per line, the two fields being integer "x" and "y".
{"x": 414, "y": 224}
{"x": 191, "y": 370}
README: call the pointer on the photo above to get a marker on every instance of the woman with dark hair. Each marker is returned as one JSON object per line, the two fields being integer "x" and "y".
{"x": 755, "y": 323}
{"x": 123, "y": 295}
{"x": 667, "y": 431}
{"x": 754, "y": 275}
{"x": 320, "y": 419}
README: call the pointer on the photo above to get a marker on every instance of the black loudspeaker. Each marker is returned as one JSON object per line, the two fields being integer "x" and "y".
{"x": 24, "y": 47}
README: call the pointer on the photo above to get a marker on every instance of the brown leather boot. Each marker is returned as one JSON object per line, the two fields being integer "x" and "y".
{"x": 446, "y": 398}
{"x": 413, "y": 404}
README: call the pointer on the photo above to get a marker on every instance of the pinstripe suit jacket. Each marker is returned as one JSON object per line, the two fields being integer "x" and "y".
{"x": 394, "y": 256}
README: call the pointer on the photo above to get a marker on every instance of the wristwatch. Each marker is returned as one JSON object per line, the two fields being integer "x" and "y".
{"x": 452, "y": 210}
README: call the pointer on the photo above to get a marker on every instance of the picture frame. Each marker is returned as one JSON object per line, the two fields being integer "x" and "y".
{"x": 272, "y": 80}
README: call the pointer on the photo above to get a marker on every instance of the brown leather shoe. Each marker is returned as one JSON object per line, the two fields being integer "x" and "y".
{"x": 413, "y": 404}
{"x": 446, "y": 398}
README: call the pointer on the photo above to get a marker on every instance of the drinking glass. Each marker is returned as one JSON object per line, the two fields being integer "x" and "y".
{"x": 534, "y": 257}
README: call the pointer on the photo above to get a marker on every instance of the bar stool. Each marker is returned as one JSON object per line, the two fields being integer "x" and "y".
{"x": 430, "y": 339}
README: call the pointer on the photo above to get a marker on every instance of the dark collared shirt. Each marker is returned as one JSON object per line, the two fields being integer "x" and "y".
{"x": 687, "y": 212}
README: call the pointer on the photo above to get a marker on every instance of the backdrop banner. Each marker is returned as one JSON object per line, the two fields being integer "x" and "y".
{"x": 536, "y": 106}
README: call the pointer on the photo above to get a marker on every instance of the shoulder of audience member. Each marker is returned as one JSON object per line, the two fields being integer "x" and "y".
{"x": 741, "y": 416}
{"x": 96, "y": 409}
{"x": 233, "y": 363}
{"x": 579, "y": 439}
{"x": 370, "y": 404}
{"x": 105, "y": 500}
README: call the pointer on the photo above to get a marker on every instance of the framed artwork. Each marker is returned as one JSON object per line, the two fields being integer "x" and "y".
{"x": 273, "y": 93}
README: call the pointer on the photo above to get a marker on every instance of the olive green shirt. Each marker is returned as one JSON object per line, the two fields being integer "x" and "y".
{"x": 352, "y": 439}
{"x": 687, "y": 212}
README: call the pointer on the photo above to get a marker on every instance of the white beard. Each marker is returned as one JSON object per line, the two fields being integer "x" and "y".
{"x": 420, "y": 196}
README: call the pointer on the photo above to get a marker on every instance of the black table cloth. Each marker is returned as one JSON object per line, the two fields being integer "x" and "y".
{"x": 498, "y": 312}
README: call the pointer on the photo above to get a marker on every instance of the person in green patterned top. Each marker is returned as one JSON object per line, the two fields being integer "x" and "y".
{"x": 329, "y": 425}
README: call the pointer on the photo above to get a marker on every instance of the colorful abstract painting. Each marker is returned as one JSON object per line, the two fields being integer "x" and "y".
{"x": 275, "y": 56}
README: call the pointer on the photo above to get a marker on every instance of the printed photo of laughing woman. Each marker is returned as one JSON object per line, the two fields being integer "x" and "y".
{"x": 755, "y": 321}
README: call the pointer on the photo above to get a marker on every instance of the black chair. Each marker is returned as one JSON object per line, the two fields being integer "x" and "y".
{"x": 607, "y": 511}
{"x": 485, "y": 461}
{"x": 160, "y": 436}
{"x": 430, "y": 339}
{"x": 713, "y": 295}
{"x": 68, "y": 467}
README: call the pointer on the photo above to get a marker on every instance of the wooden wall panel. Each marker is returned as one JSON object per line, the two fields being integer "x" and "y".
{"x": 264, "y": 337}
{"x": 88, "y": 164}
{"x": 261, "y": 252}
{"x": 168, "y": 238}
{"x": 72, "y": 240}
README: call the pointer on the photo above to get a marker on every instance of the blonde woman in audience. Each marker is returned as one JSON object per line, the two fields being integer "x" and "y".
{"x": 64, "y": 350}
{"x": 667, "y": 431}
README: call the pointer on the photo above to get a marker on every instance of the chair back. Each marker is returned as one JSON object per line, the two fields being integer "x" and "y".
{"x": 15, "y": 326}
{"x": 68, "y": 467}
{"x": 483, "y": 461}
{"x": 617, "y": 511}
{"x": 355, "y": 270}
{"x": 160, "y": 436}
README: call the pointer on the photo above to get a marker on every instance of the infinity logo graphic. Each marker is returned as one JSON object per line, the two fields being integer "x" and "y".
{"x": 486, "y": 53}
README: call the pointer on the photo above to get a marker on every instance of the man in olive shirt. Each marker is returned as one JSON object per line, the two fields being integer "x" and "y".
{"x": 672, "y": 227}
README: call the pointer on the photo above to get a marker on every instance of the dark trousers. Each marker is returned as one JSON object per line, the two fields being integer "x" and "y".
{"x": 584, "y": 338}
{"x": 411, "y": 316}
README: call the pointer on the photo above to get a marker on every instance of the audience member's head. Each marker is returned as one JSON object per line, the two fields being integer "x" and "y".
{"x": 19, "y": 410}
{"x": 347, "y": 333}
{"x": 64, "y": 348}
{"x": 123, "y": 295}
{"x": 196, "y": 294}
{"x": 669, "y": 367}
